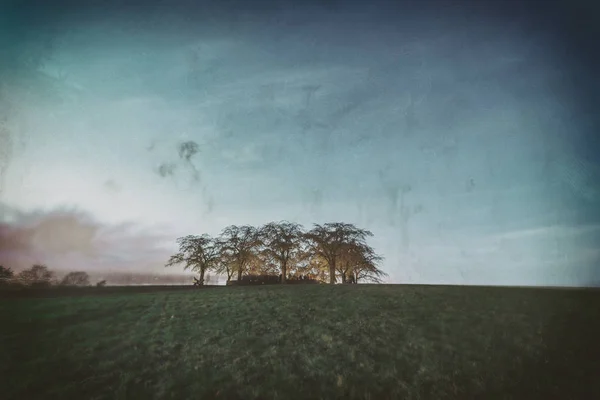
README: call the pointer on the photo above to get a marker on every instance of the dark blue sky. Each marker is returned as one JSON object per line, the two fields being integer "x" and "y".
{"x": 463, "y": 134}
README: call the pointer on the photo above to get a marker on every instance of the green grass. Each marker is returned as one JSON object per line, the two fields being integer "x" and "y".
{"x": 313, "y": 341}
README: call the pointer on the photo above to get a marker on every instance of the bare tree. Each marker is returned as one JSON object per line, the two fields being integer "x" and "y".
{"x": 198, "y": 253}
{"x": 331, "y": 239}
{"x": 259, "y": 264}
{"x": 365, "y": 268}
{"x": 309, "y": 265}
{"x": 359, "y": 261}
{"x": 37, "y": 275}
{"x": 240, "y": 245}
{"x": 226, "y": 265}
{"x": 349, "y": 256}
{"x": 318, "y": 267}
{"x": 77, "y": 278}
{"x": 282, "y": 243}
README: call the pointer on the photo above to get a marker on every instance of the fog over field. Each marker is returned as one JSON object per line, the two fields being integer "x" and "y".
{"x": 464, "y": 135}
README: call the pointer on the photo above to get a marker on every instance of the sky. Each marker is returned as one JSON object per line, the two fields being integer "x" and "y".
{"x": 462, "y": 134}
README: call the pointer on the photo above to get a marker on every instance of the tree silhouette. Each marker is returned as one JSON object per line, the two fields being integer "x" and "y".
{"x": 331, "y": 239}
{"x": 349, "y": 256}
{"x": 261, "y": 264}
{"x": 318, "y": 267}
{"x": 6, "y": 274}
{"x": 37, "y": 275}
{"x": 283, "y": 247}
{"x": 282, "y": 243}
{"x": 77, "y": 278}
{"x": 225, "y": 264}
{"x": 240, "y": 244}
{"x": 198, "y": 253}
{"x": 359, "y": 261}
{"x": 365, "y": 266}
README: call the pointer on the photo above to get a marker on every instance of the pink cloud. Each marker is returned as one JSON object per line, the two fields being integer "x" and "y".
{"x": 67, "y": 239}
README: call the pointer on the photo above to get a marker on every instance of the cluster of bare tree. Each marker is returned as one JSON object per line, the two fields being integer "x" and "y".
{"x": 40, "y": 275}
{"x": 325, "y": 252}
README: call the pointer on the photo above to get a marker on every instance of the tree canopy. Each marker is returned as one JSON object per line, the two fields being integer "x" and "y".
{"x": 76, "y": 278}
{"x": 332, "y": 241}
{"x": 282, "y": 244}
{"x": 284, "y": 248}
{"x": 241, "y": 245}
{"x": 198, "y": 253}
{"x": 38, "y": 274}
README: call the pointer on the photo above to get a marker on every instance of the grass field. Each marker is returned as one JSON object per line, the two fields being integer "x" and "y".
{"x": 312, "y": 341}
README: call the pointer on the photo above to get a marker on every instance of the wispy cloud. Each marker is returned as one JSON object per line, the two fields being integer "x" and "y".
{"x": 552, "y": 231}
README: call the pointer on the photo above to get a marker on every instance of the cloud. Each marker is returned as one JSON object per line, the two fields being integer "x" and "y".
{"x": 548, "y": 231}
{"x": 66, "y": 239}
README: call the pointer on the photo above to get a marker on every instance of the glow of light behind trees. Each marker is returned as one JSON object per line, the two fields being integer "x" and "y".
{"x": 286, "y": 246}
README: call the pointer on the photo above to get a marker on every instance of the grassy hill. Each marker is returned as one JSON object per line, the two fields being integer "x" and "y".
{"x": 313, "y": 341}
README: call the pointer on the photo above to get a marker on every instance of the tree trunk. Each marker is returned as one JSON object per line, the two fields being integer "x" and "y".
{"x": 283, "y": 272}
{"x": 239, "y": 273}
{"x": 202, "y": 276}
{"x": 343, "y": 277}
{"x": 332, "y": 274}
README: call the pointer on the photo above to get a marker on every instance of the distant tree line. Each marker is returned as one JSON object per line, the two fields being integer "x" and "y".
{"x": 325, "y": 253}
{"x": 40, "y": 276}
